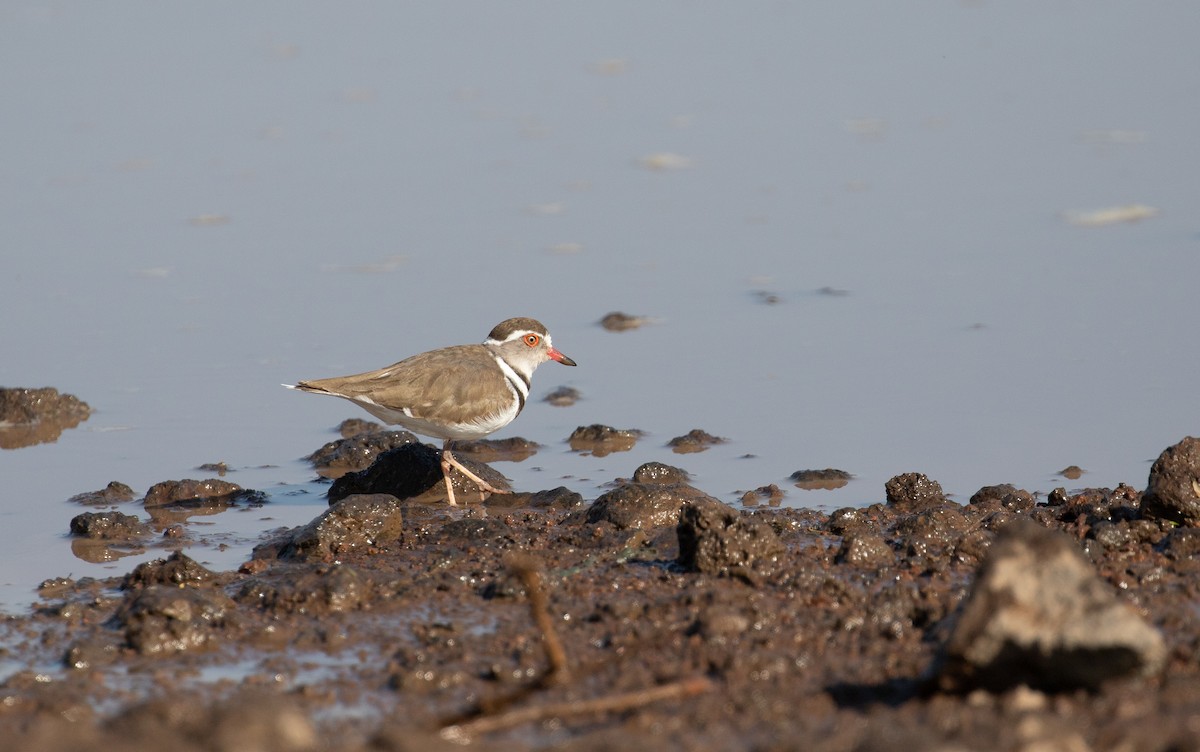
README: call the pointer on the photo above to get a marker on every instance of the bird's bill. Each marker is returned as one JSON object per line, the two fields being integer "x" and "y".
{"x": 558, "y": 356}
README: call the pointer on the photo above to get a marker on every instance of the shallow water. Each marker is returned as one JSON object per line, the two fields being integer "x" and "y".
{"x": 202, "y": 203}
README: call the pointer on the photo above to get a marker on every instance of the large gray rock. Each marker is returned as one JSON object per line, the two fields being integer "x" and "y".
{"x": 1039, "y": 615}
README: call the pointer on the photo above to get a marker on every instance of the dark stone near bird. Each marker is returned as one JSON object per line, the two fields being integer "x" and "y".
{"x": 717, "y": 539}
{"x": 1039, "y": 616}
{"x": 37, "y": 416}
{"x": 659, "y": 472}
{"x": 912, "y": 492}
{"x": 177, "y": 570}
{"x": 602, "y": 440}
{"x": 695, "y": 440}
{"x": 351, "y": 427}
{"x": 1173, "y": 490}
{"x": 410, "y": 471}
{"x": 563, "y": 396}
{"x": 357, "y": 452}
{"x": 162, "y": 619}
{"x": 357, "y": 523}
{"x": 554, "y": 498}
{"x": 114, "y": 493}
{"x": 184, "y": 492}
{"x": 107, "y": 526}
{"x": 638, "y": 506}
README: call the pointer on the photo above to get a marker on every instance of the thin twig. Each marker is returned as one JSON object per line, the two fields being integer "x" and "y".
{"x": 527, "y": 568}
{"x": 607, "y": 704}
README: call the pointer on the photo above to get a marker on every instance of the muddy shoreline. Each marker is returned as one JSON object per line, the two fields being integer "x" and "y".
{"x": 652, "y": 615}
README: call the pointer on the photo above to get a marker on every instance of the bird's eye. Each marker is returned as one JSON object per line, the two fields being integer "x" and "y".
{"x": 532, "y": 340}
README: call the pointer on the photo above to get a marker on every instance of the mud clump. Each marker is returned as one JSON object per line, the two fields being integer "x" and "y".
{"x": 563, "y": 396}
{"x": 200, "y": 493}
{"x": 912, "y": 492}
{"x": 37, "y": 416}
{"x": 160, "y": 619}
{"x": 622, "y": 322}
{"x": 716, "y": 539}
{"x": 107, "y": 526}
{"x": 827, "y": 479}
{"x": 361, "y": 521}
{"x": 114, "y": 493}
{"x": 514, "y": 449}
{"x": 1173, "y": 490}
{"x": 694, "y": 440}
{"x": 639, "y": 506}
{"x": 601, "y": 440}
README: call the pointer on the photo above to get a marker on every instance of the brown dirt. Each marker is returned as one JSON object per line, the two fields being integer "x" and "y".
{"x": 654, "y": 617}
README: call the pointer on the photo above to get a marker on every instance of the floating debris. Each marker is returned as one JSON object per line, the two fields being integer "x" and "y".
{"x": 1112, "y": 215}
{"x": 665, "y": 161}
{"x": 621, "y": 322}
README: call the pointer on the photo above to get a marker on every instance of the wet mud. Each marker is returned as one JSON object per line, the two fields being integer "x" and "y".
{"x": 653, "y": 616}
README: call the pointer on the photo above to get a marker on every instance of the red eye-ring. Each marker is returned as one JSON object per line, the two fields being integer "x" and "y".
{"x": 532, "y": 340}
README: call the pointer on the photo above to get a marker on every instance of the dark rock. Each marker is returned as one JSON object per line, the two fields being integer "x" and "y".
{"x": 191, "y": 492}
{"x": 1173, "y": 490}
{"x": 1182, "y": 543}
{"x": 694, "y": 441}
{"x": 602, "y": 440}
{"x": 1006, "y": 495}
{"x": 357, "y": 523}
{"x": 1072, "y": 472}
{"x": 717, "y": 539}
{"x": 1039, "y": 615}
{"x": 178, "y": 570}
{"x": 563, "y": 396}
{"x": 37, "y": 416}
{"x": 413, "y": 471}
{"x": 912, "y": 492}
{"x": 161, "y": 619}
{"x": 816, "y": 480}
{"x": 114, "y": 493}
{"x": 220, "y": 468}
{"x": 772, "y": 494}
{"x": 107, "y": 526}
{"x": 852, "y": 520}
{"x": 637, "y": 506}
{"x": 866, "y": 550}
{"x": 357, "y": 451}
{"x": 658, "y": 472}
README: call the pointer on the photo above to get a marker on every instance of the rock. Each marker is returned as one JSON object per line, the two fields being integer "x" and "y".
{"x": 694, "y": 441}
{"x": 107, "y": 526}
{"x": 638, "y": 506}
{"x": 413, "y": 471}
{"x": 356, "y": 523}
{"x": 1006, "y": 495}
{"x": 114, "y": 493}
{"x": 772, "y": 494}
{"x": 178, "y": 570}
{"x": 827, "y": 479}
{"x": 563, "y": 396}
{"x": 658, "y": 472}
{"x": 355, "y": 426}
{"x": 866, "y": 550}
{"x": 554, "y": 498}
{"x": 188, "y": 493}
{"x": 912, "y": 492}
{"x": 161, "y": 619}
{"x": 1173, "y": 490}
{"x": 932, "y": 531}
{"x": 324, "y": 590}
{"x": 602, "y": 440}
{"x": 357, "y": 451}
{"x": 1039, "y": 615}
{"x": 621, "y": 322}
{"x": 37, "y": 416}
{"x": 717, "y": 539}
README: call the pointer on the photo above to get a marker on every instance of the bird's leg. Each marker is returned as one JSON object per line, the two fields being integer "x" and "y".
{"x": 448, "y": 460}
